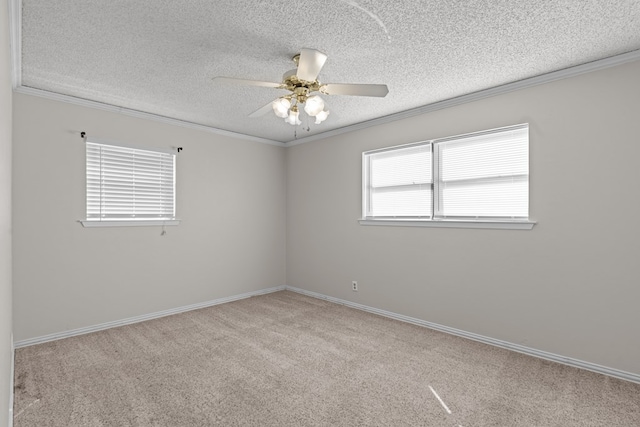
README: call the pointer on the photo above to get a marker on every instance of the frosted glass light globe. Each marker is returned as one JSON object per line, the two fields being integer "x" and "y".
{"x": 314, "y": 105}
{"x": 281, "y": 107}
{"x": 322, "y": 116}
{"x": 293, "y": 118}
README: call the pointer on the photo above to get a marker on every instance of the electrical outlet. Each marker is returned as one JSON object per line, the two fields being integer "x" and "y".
{"x": 354, "y": 286}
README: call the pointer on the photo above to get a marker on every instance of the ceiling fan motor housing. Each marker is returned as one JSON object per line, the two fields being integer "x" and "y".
{"x": 300, "y": 88}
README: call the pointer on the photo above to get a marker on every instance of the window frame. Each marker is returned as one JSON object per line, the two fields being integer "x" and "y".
{"x": 367, "y": 165}
{"x": 128, "y": 222}
{"x": 437, "y": 219}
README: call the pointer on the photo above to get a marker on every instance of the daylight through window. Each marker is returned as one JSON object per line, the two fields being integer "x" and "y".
{"x": 129, "y": 184}
{"x": 484, "y": 175}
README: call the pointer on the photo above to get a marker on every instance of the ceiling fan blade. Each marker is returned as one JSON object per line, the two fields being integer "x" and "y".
{"x": 355, "y": 89}
{"x": 310, "y": 63}
{"x": 247, "y": 82}
{"x": 262, "y": 111}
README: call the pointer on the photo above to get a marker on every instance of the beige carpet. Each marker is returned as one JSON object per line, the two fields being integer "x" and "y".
{"x": 285, "y": 359}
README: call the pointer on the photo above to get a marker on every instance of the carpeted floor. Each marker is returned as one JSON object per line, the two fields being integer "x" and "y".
{"x": 284, "y": 359}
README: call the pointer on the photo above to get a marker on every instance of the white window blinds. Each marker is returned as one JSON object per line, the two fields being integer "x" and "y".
{"x": 400, "y": 183}
{"x": 483, "y": 175}
{"x": 129, "y": 184}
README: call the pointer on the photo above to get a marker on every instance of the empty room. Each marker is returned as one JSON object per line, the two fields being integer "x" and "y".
{"x": 299, "y": 213}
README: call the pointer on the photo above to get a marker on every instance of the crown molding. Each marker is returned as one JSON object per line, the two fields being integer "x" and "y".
{"x": 140, "y": 114}
{"x": 15, "y": 26}
{"x": 15, "y": 41}
{"x": 588, "y": 67}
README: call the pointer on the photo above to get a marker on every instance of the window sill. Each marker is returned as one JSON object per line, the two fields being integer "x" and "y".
{"x": 451, "y": 223}
{"x": 129, "y": 223}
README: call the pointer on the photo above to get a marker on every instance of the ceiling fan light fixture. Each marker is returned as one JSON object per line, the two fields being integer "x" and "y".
{"x": 281, "y": 107}
{"x": 322, "y": 116}
{"x": 294, "y": 117}
{"x": 301, "y": 82}
{"x": 314, "y": 105}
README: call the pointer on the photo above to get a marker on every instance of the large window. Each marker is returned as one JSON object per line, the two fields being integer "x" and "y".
{"x": 481, "y": 177}
{"x": 129, "y": 184}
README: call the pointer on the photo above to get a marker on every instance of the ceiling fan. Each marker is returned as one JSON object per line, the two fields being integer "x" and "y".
{"x": 302, "y": 83}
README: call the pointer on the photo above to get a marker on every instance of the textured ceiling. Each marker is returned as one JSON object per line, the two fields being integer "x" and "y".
{"x": 160, "y": 56}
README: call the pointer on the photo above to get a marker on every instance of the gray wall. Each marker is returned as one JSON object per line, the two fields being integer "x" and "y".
{"x": 570, "y": 286}
{"x": 230, "y": 197}
{"x": 6, "y": 346}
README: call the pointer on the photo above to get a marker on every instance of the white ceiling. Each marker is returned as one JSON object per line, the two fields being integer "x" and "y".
{"x": 159, "y": 56}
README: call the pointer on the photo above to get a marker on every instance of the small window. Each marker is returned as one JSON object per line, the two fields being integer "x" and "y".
{"x": 478, "y": 177}
{"x": 400, "y": 183}
{"x": 129, "y": 184}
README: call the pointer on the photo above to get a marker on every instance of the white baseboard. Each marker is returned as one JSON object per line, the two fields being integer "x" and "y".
{"x": 142, "y": 318}
{"x": 12, "y": 374}
{"x": 616, "y": 373}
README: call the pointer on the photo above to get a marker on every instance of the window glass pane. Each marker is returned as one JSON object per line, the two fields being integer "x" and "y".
{"x": 400, "y": 182}
{"x": 487, "y": 199}
{"x": 129, "y": 183}
{"x": 485, "y": 175}
{"x": 401, "y": 167}
{"x": 495, "y": 154}
{"x": 482, "y": 175}
{"x": 415, "y": 201}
